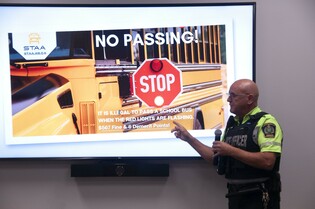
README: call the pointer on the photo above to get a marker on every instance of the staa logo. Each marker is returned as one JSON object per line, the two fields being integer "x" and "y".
{"x": 33, "y": 38}
{"x": 34, "y": 45}
{"x": 34, "y": 41}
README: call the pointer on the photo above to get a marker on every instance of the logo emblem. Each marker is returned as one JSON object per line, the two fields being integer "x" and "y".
{"x": 34, "y": 46}
{"x": 269, "y": 130}
{"x": 33, "y": 38}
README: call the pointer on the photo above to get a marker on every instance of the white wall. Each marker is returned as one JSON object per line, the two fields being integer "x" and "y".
{"x": 285, "y": 73}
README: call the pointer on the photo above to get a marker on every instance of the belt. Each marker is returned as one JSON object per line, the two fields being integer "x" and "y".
{"x": 238, "y": 187}
{"x": 247, "y": 181}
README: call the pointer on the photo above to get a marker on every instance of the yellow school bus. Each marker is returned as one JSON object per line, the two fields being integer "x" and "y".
{"x": 85, "y": 86}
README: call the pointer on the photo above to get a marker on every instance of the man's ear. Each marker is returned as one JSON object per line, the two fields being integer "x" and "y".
{"x": 251, "y": 99}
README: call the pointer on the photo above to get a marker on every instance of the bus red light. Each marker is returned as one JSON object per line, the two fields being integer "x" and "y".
{"x": 156, "y": 65}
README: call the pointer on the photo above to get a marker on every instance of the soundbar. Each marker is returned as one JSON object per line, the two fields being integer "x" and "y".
{"x": 120, "y": 170}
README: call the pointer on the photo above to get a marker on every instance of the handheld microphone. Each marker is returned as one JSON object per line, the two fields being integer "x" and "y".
{"x": 217, "y": 137}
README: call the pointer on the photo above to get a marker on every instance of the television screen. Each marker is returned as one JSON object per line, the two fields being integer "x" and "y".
{"x": 107, "y": 81}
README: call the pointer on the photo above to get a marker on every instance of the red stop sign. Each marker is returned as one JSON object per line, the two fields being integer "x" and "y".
{"x": 157, "y": 82}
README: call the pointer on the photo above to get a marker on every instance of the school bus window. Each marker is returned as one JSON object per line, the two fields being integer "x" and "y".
{"x": 195, "y": 49}
{"x": 170, "y": 47}
{"x": 35, "y": 91}
{"x": 71, "y": 45}
{"x": 222, "y": 44}
{"x": 14, "y": 55}
{"x": 142, "y": 47}
{"x": 212, "y": 48}
{"x": 152, "y": 49}
{"x": 176, "y": 49}
{"x": 158, "y": 44}
{"x": 215, "y": 33}
{"x": 81, "y": 44}
{"x": 182, "y": 47}
{"x": 135, "y": 46}
{"x": 108, "y": 48}
{"x": 65, "y": 99}
{"x": 200, "y": 44}
{"x": 189, "y": 48}
{"x": 62, "y": 49}
{"x": 165, "y": 51}
{"x": 206, "y": 43}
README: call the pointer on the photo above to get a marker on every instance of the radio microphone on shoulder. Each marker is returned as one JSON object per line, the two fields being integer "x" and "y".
{"x": 217, "y": 137}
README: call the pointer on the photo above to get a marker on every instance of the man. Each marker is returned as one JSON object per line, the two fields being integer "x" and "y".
{"x": 249, "y": 151}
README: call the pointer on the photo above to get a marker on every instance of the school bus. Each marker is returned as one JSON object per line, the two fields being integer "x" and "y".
{"x": 85, "y": 86}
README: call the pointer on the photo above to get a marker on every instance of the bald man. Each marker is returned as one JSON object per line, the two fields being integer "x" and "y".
{"x": 249, "y": 151}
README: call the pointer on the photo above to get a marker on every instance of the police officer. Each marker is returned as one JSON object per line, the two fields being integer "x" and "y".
{"x": 249, "y": 151}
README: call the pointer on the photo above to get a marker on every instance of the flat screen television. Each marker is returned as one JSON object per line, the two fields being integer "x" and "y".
{"x": 107, "y": 81}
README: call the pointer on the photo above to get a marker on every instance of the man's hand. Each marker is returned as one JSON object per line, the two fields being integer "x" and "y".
{"x": 262, "y": 160}
{"x": 181, "y": 132}
{"x": 222, "y": 148}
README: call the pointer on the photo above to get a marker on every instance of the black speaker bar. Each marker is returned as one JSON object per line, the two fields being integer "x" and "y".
{"x": 120, "y": 170}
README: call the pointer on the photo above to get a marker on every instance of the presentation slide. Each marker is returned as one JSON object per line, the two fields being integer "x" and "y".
{"x": 108, "y": 81}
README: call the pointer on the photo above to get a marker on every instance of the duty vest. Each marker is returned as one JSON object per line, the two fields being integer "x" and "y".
{"x": 242, "y": 136}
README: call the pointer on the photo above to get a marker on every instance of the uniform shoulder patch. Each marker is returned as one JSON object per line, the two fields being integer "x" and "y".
{"x": 269, "y": 130}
